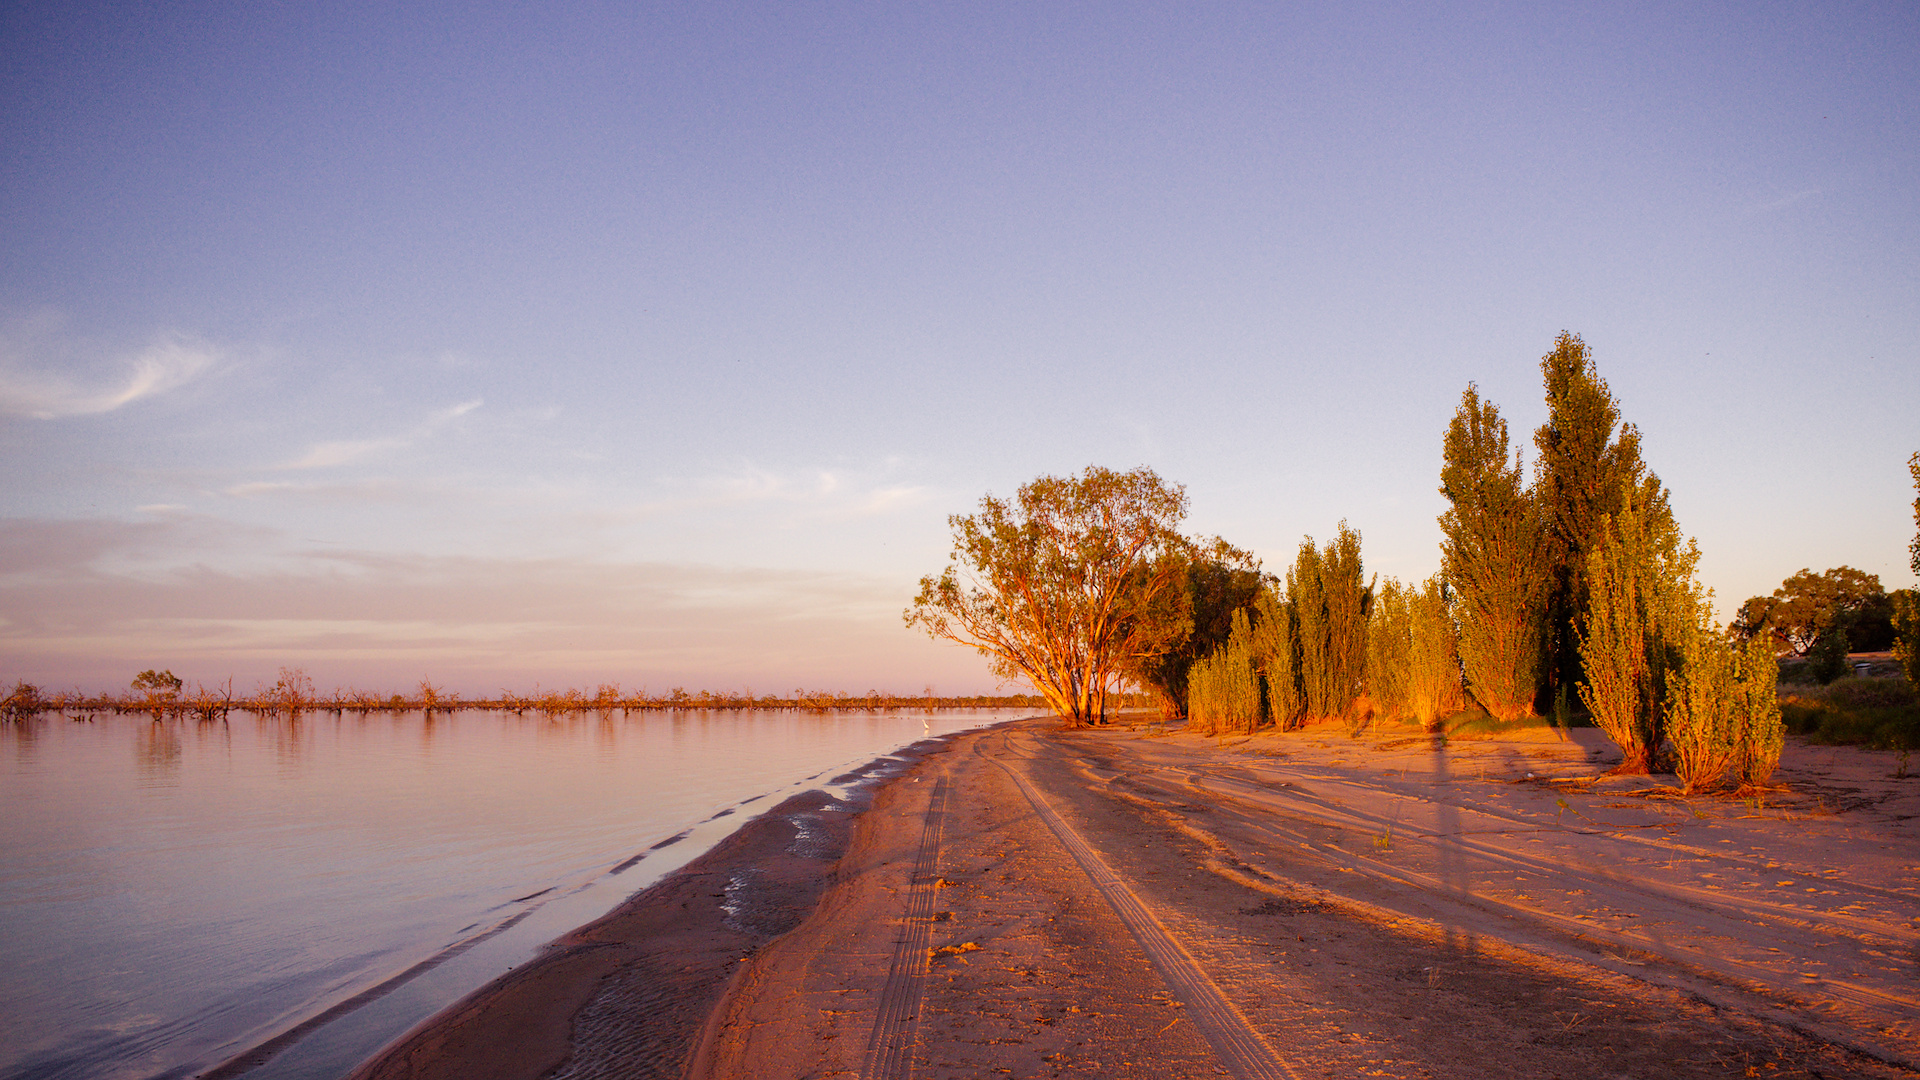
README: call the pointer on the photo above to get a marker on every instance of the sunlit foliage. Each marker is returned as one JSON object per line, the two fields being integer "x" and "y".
{"x": 1065, "y": 584}
{"x": 1642, "y": 603}
{"x": 1327, "y": 597}
{"x": 1217, "y": 579}
{"x": 1493, "y": 554}
{"x": 1906, "y": 602}
{"x": 1589, "y": 465}
{"x": 1389, "y": 650}
{"x": 1223, "y": 695}
{"x": 1723, "y": 712}
{"x": 1277, "y": 651}
{"x": 1434, "y": 688}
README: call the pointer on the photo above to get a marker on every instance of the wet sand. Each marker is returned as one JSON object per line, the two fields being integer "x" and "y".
{"x": 1029, "y": 901}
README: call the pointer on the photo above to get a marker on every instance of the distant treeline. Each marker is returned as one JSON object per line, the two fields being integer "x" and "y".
{"x": 164, "y": 696}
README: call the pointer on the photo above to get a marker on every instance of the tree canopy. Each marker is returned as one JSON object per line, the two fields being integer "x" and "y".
{"x": 1589, "y": 467}
{"x": 1807, "y": 605}
{"x": 1216, "y": 580}
{"x": 1491, "y": 552}
{"x": 1067, "y": 584}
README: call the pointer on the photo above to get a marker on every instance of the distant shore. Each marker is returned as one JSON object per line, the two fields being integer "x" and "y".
{"x": 26, "y": 700}
{"x": 1020, "y": 900}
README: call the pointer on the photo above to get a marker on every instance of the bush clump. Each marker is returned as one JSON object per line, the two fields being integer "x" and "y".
{"x": 1881, "y": 714}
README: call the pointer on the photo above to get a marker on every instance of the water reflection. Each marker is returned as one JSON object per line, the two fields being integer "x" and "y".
{"x": 24, "y": 735}
{"x": 297, "y": 858}
{"x": 158, "y": 751}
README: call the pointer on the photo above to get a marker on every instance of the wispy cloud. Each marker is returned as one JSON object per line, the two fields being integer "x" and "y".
{"x": 30, "y": 389}
{"x": 335, "y": 452}
{"x": 325, "y": 455}
{"x": 831, "y": 492}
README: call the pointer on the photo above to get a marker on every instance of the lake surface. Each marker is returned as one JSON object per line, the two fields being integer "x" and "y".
{"x": 172, "y": 894}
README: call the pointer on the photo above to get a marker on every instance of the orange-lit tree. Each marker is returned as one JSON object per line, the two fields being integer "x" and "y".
{"x": 1643, "y": 605}
{"x": 1906, "y": 602}
{"x": 1492, "y": 552}
{"x": 1066, "y": 584}
{"x": 1328, "y": 600}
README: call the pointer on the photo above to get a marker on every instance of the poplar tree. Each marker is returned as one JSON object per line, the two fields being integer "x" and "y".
{"x": 1906, "y": 602}
{"x": 1223, "y": 688}
{"x": 1589, "y": 462}
{"x": 1327, "y": 593}
{"x": 1643, "y": 607}
{"x": 1276, "y": 650}
{"x": 1433, "y": 658}
{"x": 1492, "y": 555}
{"x": 1390, "y": 650}
{"x": 1307, "y": 599}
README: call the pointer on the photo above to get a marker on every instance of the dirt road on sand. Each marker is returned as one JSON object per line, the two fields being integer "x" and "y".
{"x": 1038, "y": 902}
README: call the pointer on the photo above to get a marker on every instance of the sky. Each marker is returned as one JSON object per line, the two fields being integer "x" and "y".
{"x": 552, "y": 345}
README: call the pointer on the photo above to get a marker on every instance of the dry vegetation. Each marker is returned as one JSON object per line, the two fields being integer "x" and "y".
{"x": 293, "y": 693}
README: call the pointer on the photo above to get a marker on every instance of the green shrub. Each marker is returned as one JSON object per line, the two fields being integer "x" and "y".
{"x": 1906, "y": 622}
{"x": 1434, "y": 688}
{"x": 1757, "y": 707}
{"x": 1390, "y": 651}
{"x": 1223, "y": 689}
{"x": 1702, "y": 723}
{"x": 1827, "y": 660}
{"x": 1881, "y": 714}
{"x": 1277, "y": 651}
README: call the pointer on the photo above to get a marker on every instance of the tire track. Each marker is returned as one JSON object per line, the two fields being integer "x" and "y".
{"x": 1704, "y": 904}
{"x": 1240, "y": 1048}
{"x": 1690, "y": 908}
{"x": 1284, "y": 813}
{"x": 898, "y": 1016}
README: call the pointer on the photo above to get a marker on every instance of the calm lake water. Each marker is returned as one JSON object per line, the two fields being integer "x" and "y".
{"x": 174, "y": 894}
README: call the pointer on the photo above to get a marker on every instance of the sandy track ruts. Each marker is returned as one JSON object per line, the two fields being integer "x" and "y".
{"x": 1725, "y": 931}
{"x": 1240, "y": 1048}
{"x": 889, "y": 1048}
{"x": 1694, "y": 905}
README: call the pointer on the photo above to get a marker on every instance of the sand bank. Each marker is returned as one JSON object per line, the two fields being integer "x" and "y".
{"x": 1128, "y": 903}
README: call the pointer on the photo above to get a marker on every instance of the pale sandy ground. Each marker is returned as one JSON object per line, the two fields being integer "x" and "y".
{"x": 1386, "y": 906}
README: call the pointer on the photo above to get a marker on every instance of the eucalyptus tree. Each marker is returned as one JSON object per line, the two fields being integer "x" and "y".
{"x": 1808, "y": 606}
{"x": 1066, "y": 584}
{"x": 1215, "y": 581}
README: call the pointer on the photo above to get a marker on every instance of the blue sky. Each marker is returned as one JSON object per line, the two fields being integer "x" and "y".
{"x": 516, "y": 344}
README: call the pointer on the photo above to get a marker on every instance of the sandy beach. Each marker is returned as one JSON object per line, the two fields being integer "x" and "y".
{"x": 1032, "y": 901}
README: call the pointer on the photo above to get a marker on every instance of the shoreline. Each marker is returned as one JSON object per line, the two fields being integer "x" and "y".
{"x": 638, "y": 983}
